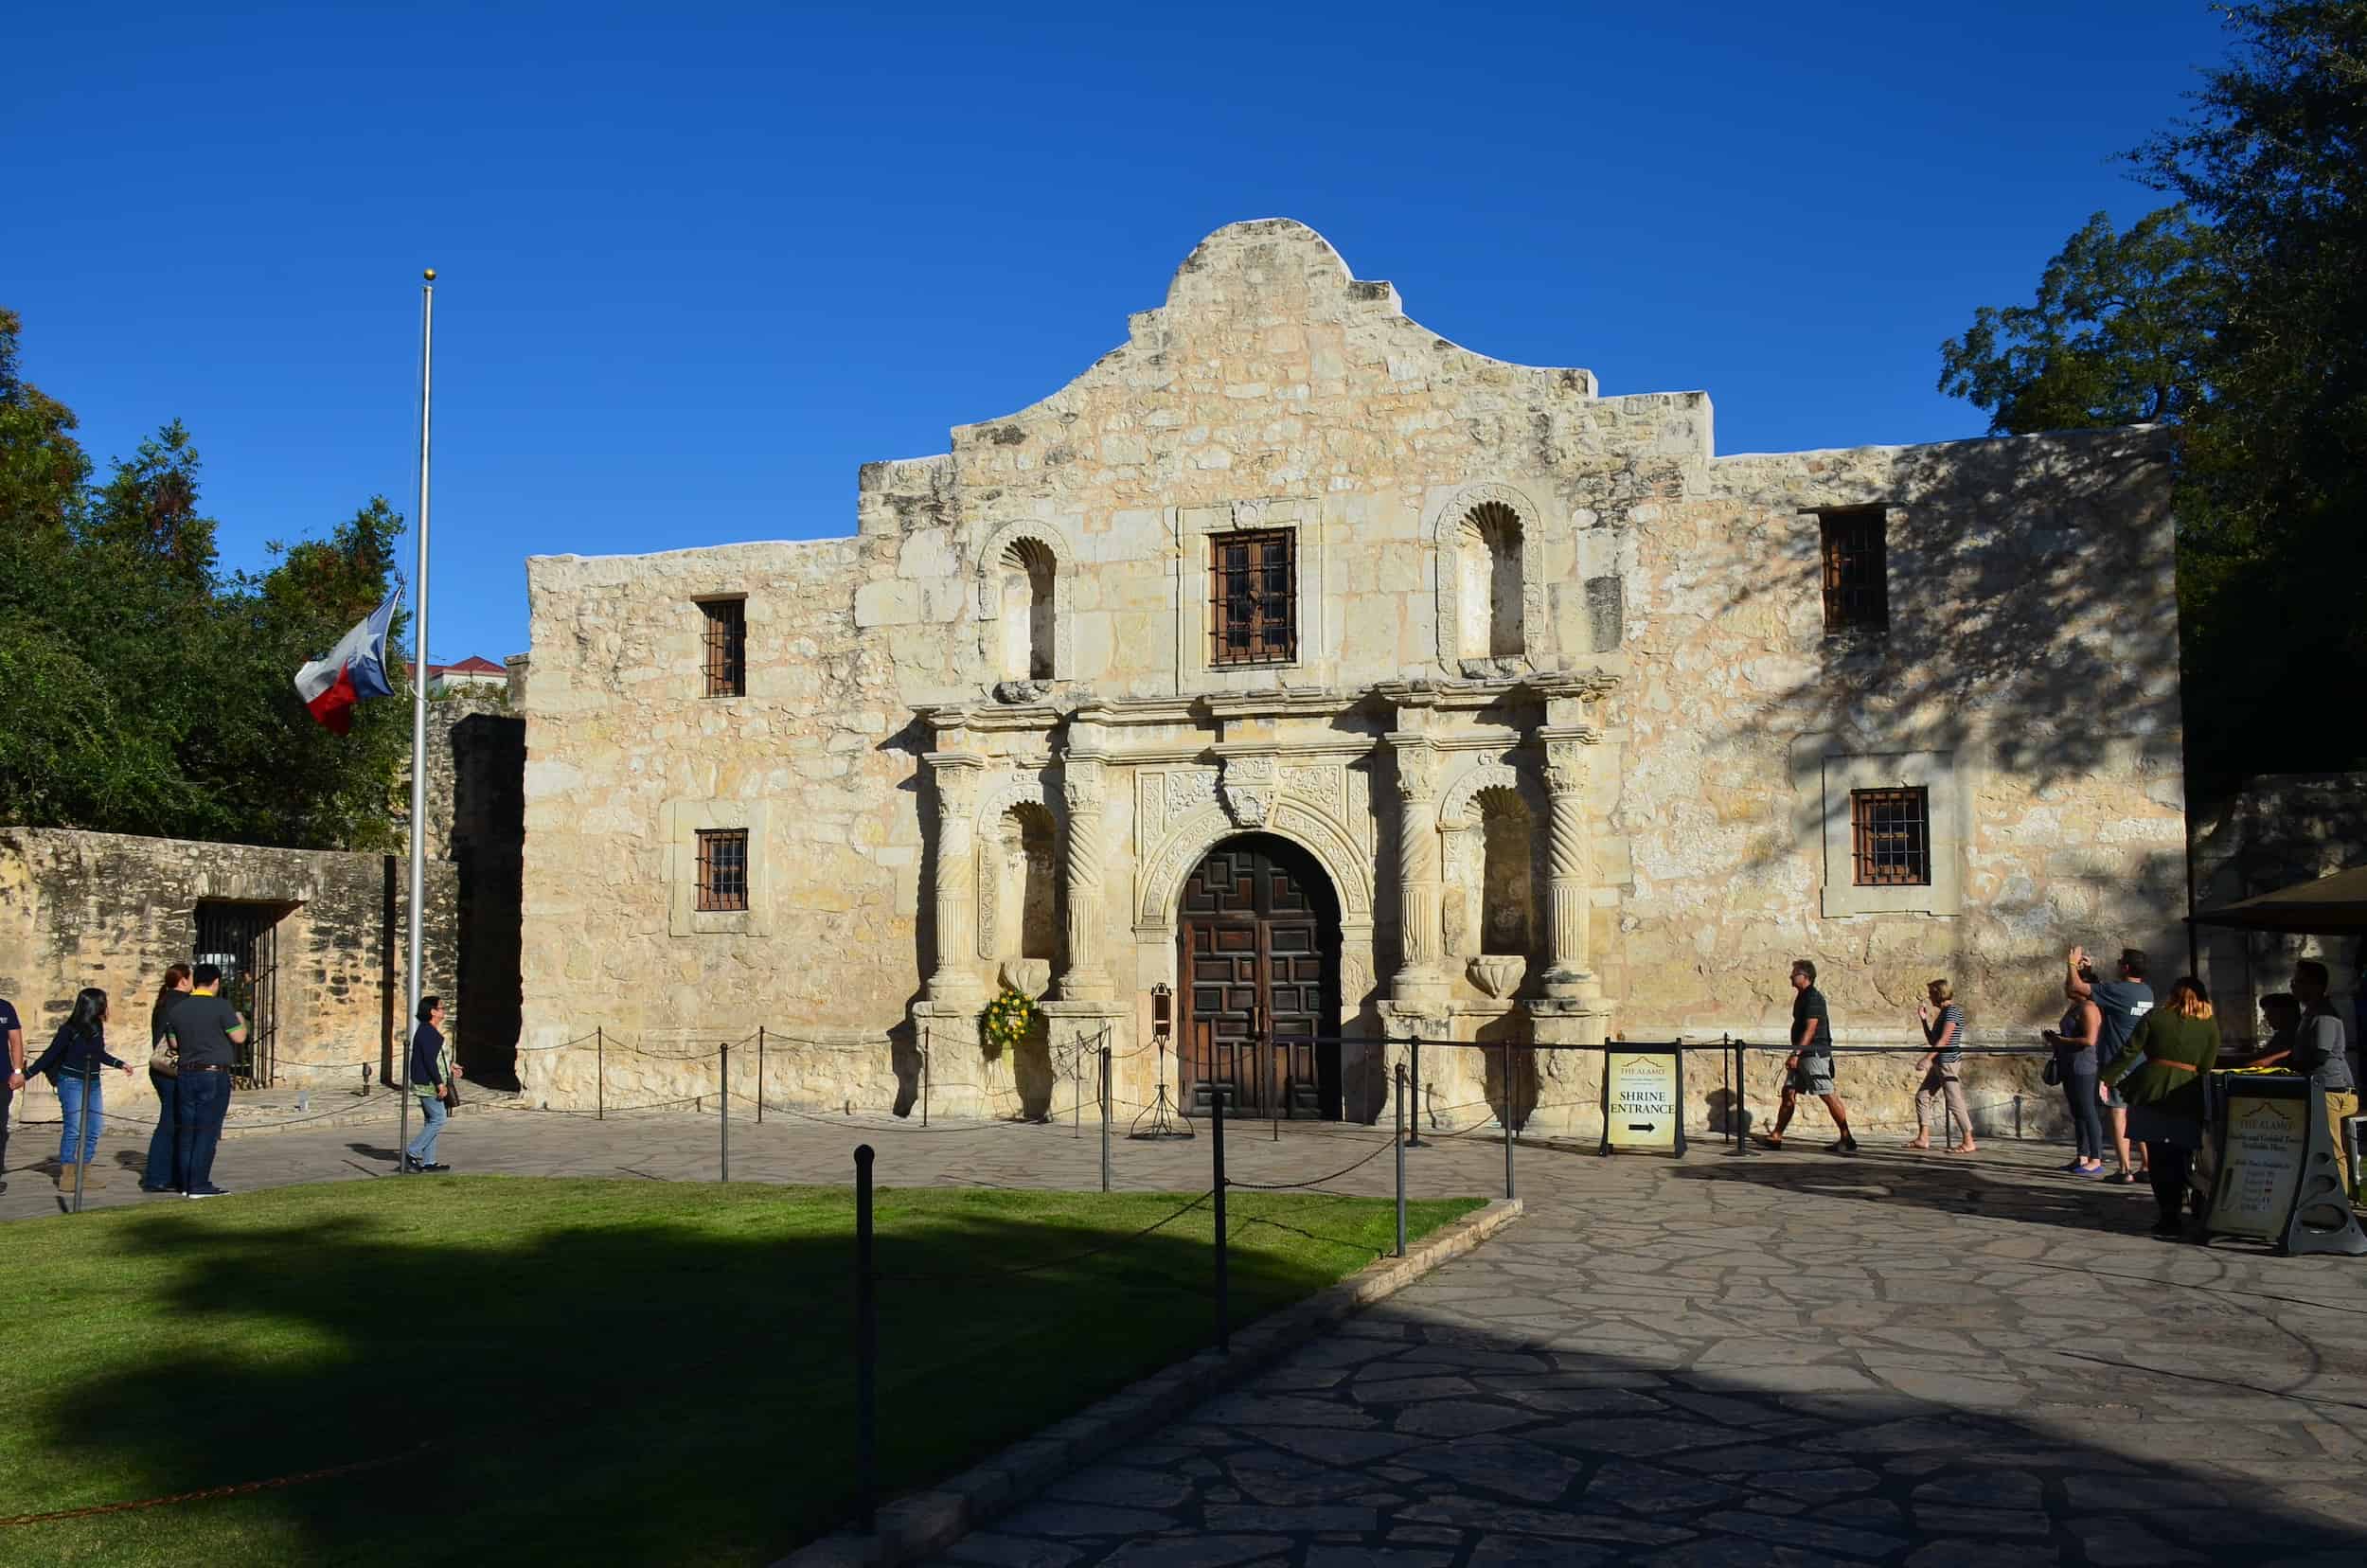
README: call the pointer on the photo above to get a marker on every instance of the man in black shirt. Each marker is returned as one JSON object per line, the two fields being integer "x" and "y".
{"x": 1810, "y": 1068}
{"x": 206, "y": 1026}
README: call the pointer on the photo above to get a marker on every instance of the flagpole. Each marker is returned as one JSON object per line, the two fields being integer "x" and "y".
{"x": 418, "y": 726}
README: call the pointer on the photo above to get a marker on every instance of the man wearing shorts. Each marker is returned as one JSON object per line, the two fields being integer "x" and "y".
{"x": 1810, "y": 1068}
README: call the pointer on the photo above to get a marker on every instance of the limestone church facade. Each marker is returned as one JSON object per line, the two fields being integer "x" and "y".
{"x": 1346, "y": 685}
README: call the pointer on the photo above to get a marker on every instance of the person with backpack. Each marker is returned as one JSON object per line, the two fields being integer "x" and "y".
{"x": 72, "y": 1063}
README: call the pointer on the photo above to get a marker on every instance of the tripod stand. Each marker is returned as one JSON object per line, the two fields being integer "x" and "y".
{"x": 1163, "y": 1118}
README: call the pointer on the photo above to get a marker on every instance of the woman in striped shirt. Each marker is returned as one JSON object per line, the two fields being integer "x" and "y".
{"x": 1943, "y": 1031}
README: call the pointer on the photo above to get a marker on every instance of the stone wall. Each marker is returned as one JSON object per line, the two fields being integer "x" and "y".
{"x": 1677, "y": 730}
{"x": 107, "y": 910}
{"x": 2278, "y": 830}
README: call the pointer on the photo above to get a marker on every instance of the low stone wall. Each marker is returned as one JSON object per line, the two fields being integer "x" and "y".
{"x": 113, "y": 911}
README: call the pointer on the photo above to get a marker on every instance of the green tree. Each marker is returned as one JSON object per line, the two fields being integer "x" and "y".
{"x": 2239, "y": 317}
{"x": 148, "y": 691}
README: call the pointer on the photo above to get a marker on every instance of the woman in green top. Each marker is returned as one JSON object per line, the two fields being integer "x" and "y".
{"x": 2160, "y": 1074}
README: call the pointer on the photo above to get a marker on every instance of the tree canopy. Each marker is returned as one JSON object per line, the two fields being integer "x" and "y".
{"x": 149, "y": 690}
{"x": 2238, "y": 315}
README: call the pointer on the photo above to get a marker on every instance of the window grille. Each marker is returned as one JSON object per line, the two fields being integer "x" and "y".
{"x": 726, "y": 647}
{"x": 1890, "y": 838}
{"x": 1253, "y": 599}
{"x": 1856, "y": 571}
{"x": 723, "y": 869}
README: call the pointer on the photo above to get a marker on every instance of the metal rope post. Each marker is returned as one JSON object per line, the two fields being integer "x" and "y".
{"x": 1400, "y": 1141}
{"x": 924, "y": 1074}
{"x": 599, "y": 1074}
{"x": 1414, "y": 1111}
{"x": 1507, "y": 1118}
{"x": 726, "y": 1098}
{"x": 1105, "y": 1110}
{"x": 759, "y": 1075}
{"x": 1742, "y": 1100}
{"x": 81, "y": 1136}
{"x": 1216, "y": 1114}
{"x": 866, "y": 1352}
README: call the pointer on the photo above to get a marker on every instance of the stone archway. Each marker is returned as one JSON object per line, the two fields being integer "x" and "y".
{"x": 1257, "y": 960}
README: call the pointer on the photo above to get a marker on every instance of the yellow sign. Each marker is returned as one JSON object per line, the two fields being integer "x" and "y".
{"x": 2261, "y": 1164}
{"x": 1641, "y": 1111}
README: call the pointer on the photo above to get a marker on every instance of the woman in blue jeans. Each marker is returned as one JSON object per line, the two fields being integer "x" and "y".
{"x": 161, "y": 1143}
{"x": 2076, "y": 1063}
{"x": 72, "y": 1063}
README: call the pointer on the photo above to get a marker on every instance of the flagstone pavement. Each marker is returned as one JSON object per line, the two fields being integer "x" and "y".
{"x": 1788, "y": 1359}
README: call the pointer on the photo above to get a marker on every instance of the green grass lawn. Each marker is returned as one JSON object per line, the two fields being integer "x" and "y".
{"x": 603, "y": 1372}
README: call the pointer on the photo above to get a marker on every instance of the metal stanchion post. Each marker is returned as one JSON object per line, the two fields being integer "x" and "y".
{"x": 1400, "y": 1141}
{"x": 924, "y": 1078}
{"x": 867, "y": 1351}
{"x": 1105, "y": 1112}
{"x": 726, "y": 1099}
{"x": 1507, "y": 1118}
{"x": 759, "y": 1075}
{"x": 1742, "y": 1100}
{"x": 82, "y": 1139}
{"x": 599, "y": 1074}
{"x": 1215, "y": 1123}
{"x": 2017, "y": 1118}
{"x": 1414, "y": 1110}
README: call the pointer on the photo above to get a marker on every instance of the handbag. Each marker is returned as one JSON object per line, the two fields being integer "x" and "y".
{"x": 165, "y": 1060}
{"x": 2053, "y": 1071}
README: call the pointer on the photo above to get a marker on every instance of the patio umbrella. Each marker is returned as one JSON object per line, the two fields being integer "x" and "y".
{"x": 2331, "y": 906}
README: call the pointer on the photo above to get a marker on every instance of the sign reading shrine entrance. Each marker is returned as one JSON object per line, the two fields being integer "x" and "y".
{"x": 1643, "y": 1101}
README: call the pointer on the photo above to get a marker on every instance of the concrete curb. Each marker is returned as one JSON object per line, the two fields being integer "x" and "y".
{"x": 924, "y": 1522}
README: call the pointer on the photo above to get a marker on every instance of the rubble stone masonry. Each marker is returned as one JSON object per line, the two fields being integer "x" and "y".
{"x": 1564, "y": 729}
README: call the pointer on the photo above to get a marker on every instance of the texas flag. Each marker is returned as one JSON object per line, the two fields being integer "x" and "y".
{"x": 355, "y": 669}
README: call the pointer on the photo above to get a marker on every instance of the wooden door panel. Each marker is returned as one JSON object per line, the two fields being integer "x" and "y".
{"x": 1259, "y": 962}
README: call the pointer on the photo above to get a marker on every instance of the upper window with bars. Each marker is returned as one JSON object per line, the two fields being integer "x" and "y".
{"x": 726, "y": 647}
{"x": 1252, "y": 598}
{"x": 723, "y": 871}
{"x": 1890, "y": 838}
{"x": 1856, "y": 571}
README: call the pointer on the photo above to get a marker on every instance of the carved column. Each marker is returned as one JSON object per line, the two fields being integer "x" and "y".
{"x": 1418, "y": 886}
{"x": 956, "y": 775}
{"x": 1082, "y": 782}
{"x": 1569, "y": 862}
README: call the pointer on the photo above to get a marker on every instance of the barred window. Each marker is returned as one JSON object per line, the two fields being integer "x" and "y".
{"x": 1890, "y": 838}
{"x": 723, "y": 869}
{"x": 726, "y": 647}
{"x": 1856, "y": 571}
{"x": 1252, "y": 598}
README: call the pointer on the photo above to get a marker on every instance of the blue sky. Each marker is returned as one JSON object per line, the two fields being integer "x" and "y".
{"x": 699, "y": 263}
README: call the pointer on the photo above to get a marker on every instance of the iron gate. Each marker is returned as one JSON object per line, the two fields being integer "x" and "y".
{"x": 242, "y": 938}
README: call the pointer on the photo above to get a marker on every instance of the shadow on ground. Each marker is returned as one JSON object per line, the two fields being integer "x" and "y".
{"x": 620, "y": 1387}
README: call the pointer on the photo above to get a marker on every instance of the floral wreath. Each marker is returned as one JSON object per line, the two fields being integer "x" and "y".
{"x": 1008, "y": 1019}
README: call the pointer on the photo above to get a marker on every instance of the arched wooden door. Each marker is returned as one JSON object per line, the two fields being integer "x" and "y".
{"x": 1258, "y": 948}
